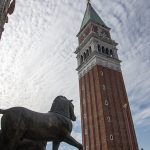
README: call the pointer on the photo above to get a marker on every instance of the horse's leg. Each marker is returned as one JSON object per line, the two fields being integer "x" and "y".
{"x": 15, "y": 141}
{"x": 56, "y": 145}
{"x": 17, "y": 136}
{"x": 1, "y": 141}
{"x": 70, "y": 140}
{"x": 4, "y": 143}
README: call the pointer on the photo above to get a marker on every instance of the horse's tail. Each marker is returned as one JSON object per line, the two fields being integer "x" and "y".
{"x": 2, "y": 111}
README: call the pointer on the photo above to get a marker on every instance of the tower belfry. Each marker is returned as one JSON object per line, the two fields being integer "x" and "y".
{"x": 106, "y": 117}
{"x": 6, "y": 7}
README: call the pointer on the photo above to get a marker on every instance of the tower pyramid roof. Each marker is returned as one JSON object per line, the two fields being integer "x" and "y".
{"x": 91, "y": 15}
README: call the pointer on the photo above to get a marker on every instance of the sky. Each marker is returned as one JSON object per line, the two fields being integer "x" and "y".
{"x": 37, "y": 60}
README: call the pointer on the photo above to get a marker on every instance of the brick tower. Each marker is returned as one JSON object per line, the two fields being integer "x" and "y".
{"x": 106, "y": 118}
{"x": 6, "y": 7}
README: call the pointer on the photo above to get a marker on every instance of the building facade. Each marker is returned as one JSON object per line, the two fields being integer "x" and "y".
{"x": 105, "y": 112}
{"x": 6, "y": 7}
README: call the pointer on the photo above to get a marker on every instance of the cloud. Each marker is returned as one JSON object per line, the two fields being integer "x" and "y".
{"x": 37, "y": 62}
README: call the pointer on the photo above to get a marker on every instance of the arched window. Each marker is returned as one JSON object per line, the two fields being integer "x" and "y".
{"x": 107, "y": 51}
{"x": 103, "y": 49}
{"x": 84, "y": 55}
{"x": 111, "y": 137}
{"x": 90, "y": 50}
{"x": 104, "y": 87}
{"x": 108, "y": 119}
{"x": 81, "y": 59}
{"x": 99, "y": 48}
{"x": 106, "y": 102}
{"x": 87, "y": 52}
{"x": 111, "y": 53}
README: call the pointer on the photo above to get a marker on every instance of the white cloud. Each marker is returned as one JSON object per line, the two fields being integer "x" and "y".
{"x": 37, "y": 61}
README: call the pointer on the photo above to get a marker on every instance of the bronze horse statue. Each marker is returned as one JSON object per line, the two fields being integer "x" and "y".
{"x": 19, "y": 123}
{"x": 26, "y": 144}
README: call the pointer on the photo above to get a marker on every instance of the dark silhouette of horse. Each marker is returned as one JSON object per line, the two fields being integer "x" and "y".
{"x": 28, "y": 144}
{"x": 18, "y": 123}
{"x": 31, "y": 145}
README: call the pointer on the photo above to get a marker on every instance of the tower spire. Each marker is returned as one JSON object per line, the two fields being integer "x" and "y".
{"x": 91, "y": 16}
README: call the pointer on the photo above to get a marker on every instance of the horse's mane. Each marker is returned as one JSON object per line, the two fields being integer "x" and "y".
{"x": 61, "y": 106}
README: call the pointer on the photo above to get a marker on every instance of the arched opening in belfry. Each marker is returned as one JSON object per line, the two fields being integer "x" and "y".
{"x": 99, "y": 48}
{"x": 90, "y": 50}
{"x": 111, "y": 53}
{"x": 81, "y": 59}
{"x": 87, "y": 53}
{"x": 103, "y": 49}
{"x": 107, "y": 51}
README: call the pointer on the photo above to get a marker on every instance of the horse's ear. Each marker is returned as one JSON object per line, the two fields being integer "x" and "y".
{"x": 71, "y": 101}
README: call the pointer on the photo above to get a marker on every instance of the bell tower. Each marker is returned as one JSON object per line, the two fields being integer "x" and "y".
{"x": 6, "y": 7}
{"x": 105, "y": 113}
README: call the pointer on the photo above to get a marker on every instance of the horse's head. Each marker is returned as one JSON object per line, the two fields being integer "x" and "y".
{"x": 63, "y": 106}
{"x": 71, "y": 110}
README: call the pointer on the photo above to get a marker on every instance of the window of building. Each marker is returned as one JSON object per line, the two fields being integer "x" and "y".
{"x": 106, "y": 102}
{"x": 90, "y": 49}
{"x": 108, "y": 119}
{"x": 99, "y": 48}
{"x": 87, "y": 52}
{"x": 81, "y": 59}
{"x": 84, "y": 55}
{"x": 104, "y": 88}
{"x": 103, "y": 49}
{"x": 111, "y": 137}
{"x": 111, "y": 53}
{"x": 107, "y": 51}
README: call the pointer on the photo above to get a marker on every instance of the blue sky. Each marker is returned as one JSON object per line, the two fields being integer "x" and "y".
{"x": 37, "y": 62}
